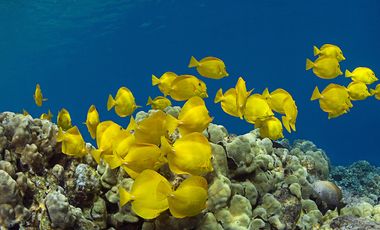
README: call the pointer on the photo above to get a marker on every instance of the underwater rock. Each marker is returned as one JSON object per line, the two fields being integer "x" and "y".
{"x": 353, "y": 223}
{"x": 59, "y": 210}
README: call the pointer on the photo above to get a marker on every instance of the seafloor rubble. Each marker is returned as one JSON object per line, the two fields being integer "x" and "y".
{"x": 255, "y": 185}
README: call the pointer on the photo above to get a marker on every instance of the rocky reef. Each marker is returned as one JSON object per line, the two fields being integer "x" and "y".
{"x": 255, "y": 184}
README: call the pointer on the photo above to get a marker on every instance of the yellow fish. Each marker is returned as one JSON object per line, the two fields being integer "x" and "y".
{"x": 120, "y": 150}
{"x": 153, "y": 127}
{"x": 92, "y": 121}
{"x": 362, "y": 74}
{"x": 72, "y": 142}
{"x": 159, "y": 102}
{"x": 164, "y": 82}
{"x": 324, "y": 67}
{"x": 124, "y": 102}
{"x": 108, "y": 133}
{"x": 257, "y": 108}
{"x": 64, "y": 119}
{"x": 334, "y": 100}
{"x": 190, "y": 154}
{"x": 47, "y": 116}
{"x": 228, "y": 101}
{"x": 210, "y": 67}
{"x": 38, "y": 98}
{"x": 193, "y": 117}
{"x": 291, "y": 113}
{"x": 24, "y": 112}
{"x": 189, "y": 199}
{"x": 270, "y": 127}
{"x": 185, "y": 87}
{"x": 358, "y": 91}
{"x": 276, "y": 99}
{"x": 376, "y": 92}
{"x": 147, "y": 200}
{"x": 329, "y": 50}
{"x": 241, "y": 96}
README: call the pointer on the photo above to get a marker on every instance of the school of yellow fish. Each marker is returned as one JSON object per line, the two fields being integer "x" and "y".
{"x": 143, "y": 147}
{"x": 336, "y": 99}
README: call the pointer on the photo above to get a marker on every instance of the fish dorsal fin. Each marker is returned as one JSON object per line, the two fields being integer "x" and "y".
{"x": 210, "y": 59}
{"x": 333, "y": 86}
{"x": 189, "y": 105}
{"x": 73, "y": 130}
{"x": 266, "y": 93}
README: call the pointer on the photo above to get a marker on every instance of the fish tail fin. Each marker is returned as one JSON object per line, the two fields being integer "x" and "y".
{"x": 316, "y": 51}
{"x": 125, "y": 196}
{"x": 193, "y": 62}
{"x": 285, "y": 122}
{"x": 309, "y": 64}
{"x": 347, "y": 73}
{"x": 372, "y": 91}
{"x": 149, "y": 101}
{"x": 266, "y": 93}
{"x": 155, "y": 80}
{"x": 60, "y": 135}
{"x": 293, "y": 126}
{"x": 96, "y": 154}
{"x": 110, "y": 102}
{"x": 218, "y": 96}
{"x": 171, "y": 123}
{"x": 316, "y": 94}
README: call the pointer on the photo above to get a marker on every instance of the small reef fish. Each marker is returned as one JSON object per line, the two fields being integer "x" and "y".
{"x": 194, "y": 116}
{"x": 329, "y": 50}
{"x": 64, "y": 119}
{"x": 120, "y": 150}
{"x": 159, "y": 102}
{"x": 92, "y": 121}
{"x": 324, "y": 67}
{"x": 334, "y": 100}
{"x": 47, "y": 116}
{"x": 38, "y": 98}
{"x": 152, "y": 194}
{"x": 164, "y": 82}
{"x": 376, "y": 92}
{"x": 362, "y": 74}
{"x": 190, "y": 154}
{"x": 291, "y": 113}
{"x": 228, "y": 101}
{"x": 24, "y": 112}
{"x": 124, "y": 102}
{"x": 270, "y": 127}
{"x": 257, "y": 108}
{"x": 185, "y": 87}
{"x": 72, "y": 142}
{"x": 358, "y": 91}
{"x": 241, "y": 96}
{"x": 210, "y": 67}
{"x": 328, "y": 195}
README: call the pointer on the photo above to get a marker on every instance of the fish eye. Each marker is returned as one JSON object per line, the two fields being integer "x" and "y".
{"x": 199, "y": 84}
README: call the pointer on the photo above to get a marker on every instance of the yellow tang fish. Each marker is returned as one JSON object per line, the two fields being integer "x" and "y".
{"x": 329, "y": 50}
{"x": 291, "y": 113}
{"x": 334, "y": 100}
{"x": 147, "y": 200}
{"x": 257, "y": 108}
{"x": 358, "y": 91}
{"x": 164, "y": 82}
{"x": 38, "y": 98}
{"x": 193, "y": 117}
{"x": 92, "y": 121}
{"x": 159, "y": 102}
{"x": 189, "y": 199}
{"x": 376, "y": 92}
{"x": 241, "y": 96}
{"x": 190, "y": 154}
{"x": 228, "y": 102}
{"x": 124, "y": 102}
{"x": 108, "y": 134}
{"x": 185, "y": 87}
{"x": 72, "y": 142}
{"x": 270, "y": 127}
{"x": 120, "y": 150}
{"x": 24, "y": 112}
{"x": 276, "y": 99}
{"x": 64, "y": 119}
{"x": 210, "y": 67}
{"x": 362, "y": 74}
{"x": 150, "y": 129}
{"x": 324, "y": 67}
{"x": 47, "y": 116}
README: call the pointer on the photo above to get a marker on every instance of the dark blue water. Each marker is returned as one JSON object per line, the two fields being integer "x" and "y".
{"x": 82, "y": 50}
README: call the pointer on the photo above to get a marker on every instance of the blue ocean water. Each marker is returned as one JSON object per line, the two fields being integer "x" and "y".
{"x": 80, "y": 51}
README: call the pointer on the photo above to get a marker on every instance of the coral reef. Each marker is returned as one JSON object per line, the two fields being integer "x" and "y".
{"x": 255, "y": 184}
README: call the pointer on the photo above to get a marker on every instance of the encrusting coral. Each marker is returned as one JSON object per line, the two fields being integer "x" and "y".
{"x": 253, "y": 184}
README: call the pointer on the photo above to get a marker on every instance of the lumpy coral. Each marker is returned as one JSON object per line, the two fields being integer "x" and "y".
{"x": 255, "y": 184}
